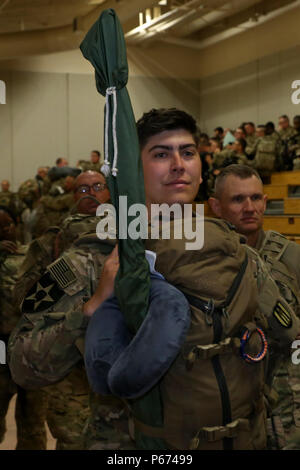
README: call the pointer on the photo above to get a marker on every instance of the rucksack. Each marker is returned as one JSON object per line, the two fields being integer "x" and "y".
{"x": 275, "y": 251}
{"x": 212, "y": 396}
{"x": 48, "y": 247}
{"x": 265, "y": 154}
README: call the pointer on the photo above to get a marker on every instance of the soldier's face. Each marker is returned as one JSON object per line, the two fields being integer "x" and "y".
{"x": 88, "y": 205}
{"x": 239, "y": 133}
{"x": 296, "y": 123}
{"x": 94, "y": 157}
{"x": 250, "y": 130}
{"x": 172, "y": 168}
{"x": 242, "y": 203}
{"x": 5, "y": 185}
{"x": 7, "y": 227}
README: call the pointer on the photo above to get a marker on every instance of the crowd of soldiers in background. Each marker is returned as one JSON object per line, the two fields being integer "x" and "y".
{"x": 40, "y": 203}
{"x": 46, "y": 199}
{"x": 261, "y": 147}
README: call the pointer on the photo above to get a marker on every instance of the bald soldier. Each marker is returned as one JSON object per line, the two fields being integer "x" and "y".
{"x": 239, "y": 198}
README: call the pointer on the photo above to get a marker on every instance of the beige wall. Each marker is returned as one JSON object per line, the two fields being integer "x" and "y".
{"x": 259, "y": 91}
{"x": 53, "y": 108}
{"x": 50, "y": 115}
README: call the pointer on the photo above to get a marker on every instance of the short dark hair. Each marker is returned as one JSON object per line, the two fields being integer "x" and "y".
{"x": 243, "y": 143}
{"x": 270, "y": 124}
{"x": 97, "y": 152}
{"x": 284, "y": 116}
{"x": 250, "y": 123}
{"x": 159, "y": 120}
{"x": 219, "y": 129}
{"x": 9, "y": 212}
{"x": 58, "y": 161}
{"x": 240, "y": 171}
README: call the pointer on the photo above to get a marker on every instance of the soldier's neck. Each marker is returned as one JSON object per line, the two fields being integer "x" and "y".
{"x": 252, "y": 239}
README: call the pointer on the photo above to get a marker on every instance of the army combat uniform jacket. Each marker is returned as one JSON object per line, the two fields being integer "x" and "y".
{"x": 286, "y": 384}
{"x": 48, "y": 342}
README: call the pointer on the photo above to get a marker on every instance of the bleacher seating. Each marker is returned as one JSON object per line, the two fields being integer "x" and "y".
{"x": 283, "y": 210}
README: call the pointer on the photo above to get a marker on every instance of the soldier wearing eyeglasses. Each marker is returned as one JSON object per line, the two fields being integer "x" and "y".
{"x": 68, "y": 400}
{"x": 93, "y": 183}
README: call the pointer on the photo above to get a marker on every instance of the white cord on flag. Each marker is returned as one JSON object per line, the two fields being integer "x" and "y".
{"x": 106, "y": 165}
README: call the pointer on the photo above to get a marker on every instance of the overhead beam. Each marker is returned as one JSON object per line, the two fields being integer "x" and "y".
{"x": 254, "y": 12}
{"x": 14, "y": 45}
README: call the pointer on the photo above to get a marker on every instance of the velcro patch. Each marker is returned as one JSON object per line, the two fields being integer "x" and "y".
{"x": 63, "y": 272}
{"x": 43, "y": 294}
{"x": 282, "y": 315}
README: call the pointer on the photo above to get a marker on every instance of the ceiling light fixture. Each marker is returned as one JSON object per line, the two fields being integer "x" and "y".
{"x": 96, "y": 2}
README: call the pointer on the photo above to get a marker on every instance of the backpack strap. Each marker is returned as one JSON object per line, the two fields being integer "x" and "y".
{"x": 216, "y": 433}
{"x": 274, "y": 245}
{"x": 208, "y": 307}
{"x": 207, "y": 351}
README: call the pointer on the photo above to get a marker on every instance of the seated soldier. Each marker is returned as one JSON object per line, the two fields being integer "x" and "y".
{"x": 31, "y": 406}
{"x": 68, "y": 400}
{"x": 239, "y": 199}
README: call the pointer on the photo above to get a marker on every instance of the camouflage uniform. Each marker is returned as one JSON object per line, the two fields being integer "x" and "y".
{"x": 286, "y": 134}
{"x": 9, "y": 200}
{"x": 293, "y": 145}
{"x": 31, "y": 406}
{"x": 29, "y": 194}
{"x": 227, "y": 157}
{"x": 51, "y": 211}
{"x": 251, "y": 145}
{"x": 286, "y": 410}
{"x": 55, "y": 329}
{"x": 88, "y": 165}
{"x": 267, "y": 156}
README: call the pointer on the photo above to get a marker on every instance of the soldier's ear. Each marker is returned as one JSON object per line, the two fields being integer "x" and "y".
{"x": 214, "y": 204}
{"x": 265, "y": 201}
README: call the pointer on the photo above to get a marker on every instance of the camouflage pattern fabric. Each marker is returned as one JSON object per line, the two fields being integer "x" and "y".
{"x": 11, "y": 201}
{"x": 9, "y": 269}
{"x": 228, "y": 157}
{"x": 68, "y": 409}
{"x": 47, "y": 345}
{"x": 51, "y": 211}
{"x": 30, "y": 413}
{"x": 286, "y": 134}
{"x": 285, "y": 429}
{"x": 85, "y": 165}
{"x": 107, "y": 425}
{"x": 267, "y": 155}
{"x": 251, "y": 145}
{"x": 31, "y": 406}
{"x": 287, "y": 385}
{"x": 293, "y": 145}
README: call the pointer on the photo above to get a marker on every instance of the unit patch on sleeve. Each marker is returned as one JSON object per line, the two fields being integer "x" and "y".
{"x": 43, "y": 294}
{"x": 63, "y": 272}
{"x": 282, "y": 315}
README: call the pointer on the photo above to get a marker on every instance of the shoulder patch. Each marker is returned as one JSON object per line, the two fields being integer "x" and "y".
{"x": 282, "y": 315}
{"x": 43, "y": 294}
{"x": 62, "y": 271}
